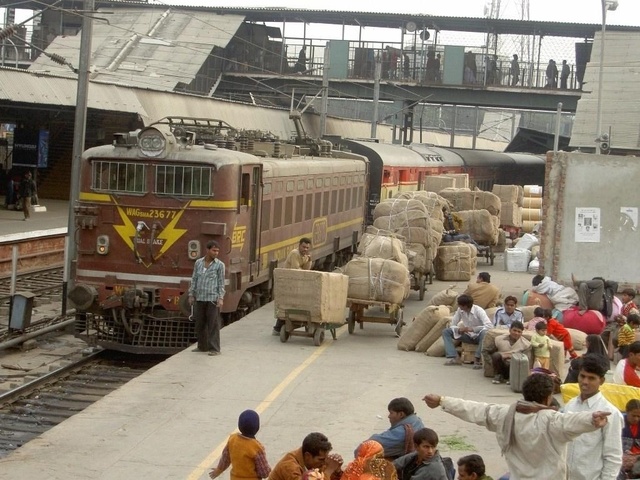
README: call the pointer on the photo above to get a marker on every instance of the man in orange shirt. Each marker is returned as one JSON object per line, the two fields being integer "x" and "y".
{"x": 314, "y": 454}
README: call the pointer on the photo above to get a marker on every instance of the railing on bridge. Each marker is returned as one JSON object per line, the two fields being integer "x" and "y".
{"x": 423, "y": 66}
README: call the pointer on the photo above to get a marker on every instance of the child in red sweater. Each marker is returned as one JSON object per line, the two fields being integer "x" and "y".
{"x": 557, "y": 331}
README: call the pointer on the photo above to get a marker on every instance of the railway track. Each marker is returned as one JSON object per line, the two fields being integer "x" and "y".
{"x": 41, "y": 403}
{"x": 44, "y": 282}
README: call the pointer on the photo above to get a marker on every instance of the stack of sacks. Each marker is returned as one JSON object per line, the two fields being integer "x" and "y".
{"x": 408, "y": 218}
{"x": 481, "y": 225}
{"x": 445, "y": 297}
{"x": 377, "y": 279}
{"x": 432, "y": 202}
{"x": 511, "y": 201}
{"x": 456, "y": 261}
{"x": 380, "y": 246}
{"x": 411, "y": 219}
{"x": 464, "y": 199}
{"x": 532, "y": 207}
{"x": 425, "y": 329}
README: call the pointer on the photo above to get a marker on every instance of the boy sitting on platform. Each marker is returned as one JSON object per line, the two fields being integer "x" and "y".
{"x": 425, "y": 463}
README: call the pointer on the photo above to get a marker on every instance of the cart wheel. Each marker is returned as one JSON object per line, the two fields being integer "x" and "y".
{"x": 399, "y": 321}
{"x": 318, "y": 336}
{"x": 351, "y": 322}
{"x": 284, "y": 335}
{"x": 423, "y": 281}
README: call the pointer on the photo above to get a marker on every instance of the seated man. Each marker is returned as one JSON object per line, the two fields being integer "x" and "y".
{"x": 468, "y": 325}
{"x": 397, "y": 440}
{"x": 483, "y": 293}
{"x": 508, "y": 314}
{"x": 590, "y": 293}
{"x": 313, "y": 454}
{"x": 452, "y": 225}
{"x": 626, "y": 372}
{"x": 507, "y": 345}
{"x": 472, "y": 467}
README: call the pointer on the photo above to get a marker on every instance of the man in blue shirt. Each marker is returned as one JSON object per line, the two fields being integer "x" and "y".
{"x": 508, "y": 314}
{"x": 205, "y": 296}
{"x": 398, "y": 439}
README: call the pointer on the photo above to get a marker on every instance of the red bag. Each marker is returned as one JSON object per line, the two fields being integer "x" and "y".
{"x": 591, "y": 321}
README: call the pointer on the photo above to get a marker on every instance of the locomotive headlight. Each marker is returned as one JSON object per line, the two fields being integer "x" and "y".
{"x": 151, "y": 142}
{"x": 193, "y": 249}
{"x": 102, "y": 245}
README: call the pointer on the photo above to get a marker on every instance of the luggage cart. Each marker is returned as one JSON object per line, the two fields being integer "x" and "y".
{"x": 391, "y": 313}
{"x": 419, "y": 280}
{"x": 294, "y": 320}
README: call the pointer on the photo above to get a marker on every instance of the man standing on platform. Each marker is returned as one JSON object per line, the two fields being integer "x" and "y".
{"x": 27, "y": 191}
{"x": 298, "y": 259}
{"x": 595, "y": 455}
{"x": 205, "y": 296}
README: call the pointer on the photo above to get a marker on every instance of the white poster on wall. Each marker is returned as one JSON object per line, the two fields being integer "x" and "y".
{"x": 588, "y": 223}
{"x": 628, "y": 219}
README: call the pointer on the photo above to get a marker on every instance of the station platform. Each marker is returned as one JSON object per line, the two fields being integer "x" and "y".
{"x": 173, "y": 421}
{"x": 13, "y": 225}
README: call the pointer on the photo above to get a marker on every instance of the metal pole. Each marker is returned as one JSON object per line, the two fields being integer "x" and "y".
{"x": 14, "y": 278}
{"x": 600, "y": 74}
{"x": 65, "y": 275}
{"x": 376, "y": 97}
{"x": 325, "y": 92}
{"x": 80, "y": 125}
{"x": 556, "y": 138}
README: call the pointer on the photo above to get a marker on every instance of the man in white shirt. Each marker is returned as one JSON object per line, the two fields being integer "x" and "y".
{"x": 532, "y": 436}
{"x": 468, "y": 325}
{"x": 596, "y": 455}
{"x": 626, "y": 372}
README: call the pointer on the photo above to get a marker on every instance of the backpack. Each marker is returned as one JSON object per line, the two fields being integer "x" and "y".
{"x": 449, "y": 469}
{"x": 610, "y": 289}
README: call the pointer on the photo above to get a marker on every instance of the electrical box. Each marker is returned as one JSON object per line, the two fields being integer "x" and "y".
{"x": 21, "y": 310}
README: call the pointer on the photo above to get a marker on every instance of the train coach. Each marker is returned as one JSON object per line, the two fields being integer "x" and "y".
{"x": 150, "y": 202}
{"x": 396, "y": 168}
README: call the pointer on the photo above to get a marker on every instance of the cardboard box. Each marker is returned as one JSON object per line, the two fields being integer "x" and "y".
{"x": 322, "y": 294}
{"x": 510, "y": 214}
{"x": 436, "y": 183}
{"x": 507, "y": 193}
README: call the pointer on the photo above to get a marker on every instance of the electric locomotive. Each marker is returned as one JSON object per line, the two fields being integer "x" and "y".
{"x": 149, "y": 203}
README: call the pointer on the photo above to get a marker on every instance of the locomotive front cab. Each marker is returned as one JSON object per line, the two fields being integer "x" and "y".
{"x": 146, "y": 209}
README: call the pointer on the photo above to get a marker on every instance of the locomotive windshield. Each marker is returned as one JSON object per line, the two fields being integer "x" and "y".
{"x": 173, "y": 180}
{"x": 118, "y": 177}
{"x": 183, "y": 181}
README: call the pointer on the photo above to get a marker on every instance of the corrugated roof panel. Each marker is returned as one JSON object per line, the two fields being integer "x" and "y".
{"x": 19, "y": 86}
{"x": 149, "y": 48}
{"x": 620, "y": 94}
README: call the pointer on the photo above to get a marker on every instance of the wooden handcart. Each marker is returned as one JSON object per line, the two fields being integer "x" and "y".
{"x": 391, "y": 313}
{"x": 299, "y": 323}
{"x": 419, "y": 280}
{"x": 486, "y": 251}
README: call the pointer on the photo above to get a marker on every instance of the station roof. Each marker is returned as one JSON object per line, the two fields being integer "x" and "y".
{"x": 371, "y": 19}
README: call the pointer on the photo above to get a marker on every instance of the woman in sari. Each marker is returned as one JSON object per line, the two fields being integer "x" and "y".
{"x": 370, "y": 464}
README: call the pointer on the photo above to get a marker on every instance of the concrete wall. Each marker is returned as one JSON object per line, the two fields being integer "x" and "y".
{"x": 576, "y": 181}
